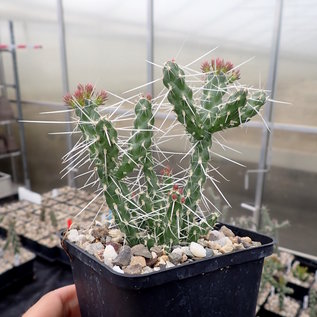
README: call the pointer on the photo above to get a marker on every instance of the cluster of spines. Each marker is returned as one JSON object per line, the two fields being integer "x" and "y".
{"x": 163, "y": 213}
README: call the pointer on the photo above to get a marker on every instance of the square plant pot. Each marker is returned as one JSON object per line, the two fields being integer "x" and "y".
{"x": 270, "y": 309}
{"x": 225, "y": 285}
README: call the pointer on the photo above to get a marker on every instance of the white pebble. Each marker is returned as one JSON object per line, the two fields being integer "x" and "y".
{"x": 178, "y": 251}
{"x": 169, "y": 264}
{"x": 109, "y": 254}
{"x": 73, "y": 235}
{"x": 117, "y": 269}
{"x": 197, "y": 250}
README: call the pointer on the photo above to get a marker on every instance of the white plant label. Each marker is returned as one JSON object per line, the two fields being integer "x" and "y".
{"x": 26, "y": 194}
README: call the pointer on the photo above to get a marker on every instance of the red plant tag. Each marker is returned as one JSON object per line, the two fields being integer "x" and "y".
{"x": 69, "y": 223}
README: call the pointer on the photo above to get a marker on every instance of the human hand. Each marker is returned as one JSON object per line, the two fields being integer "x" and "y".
{"x": 62, "y": 302}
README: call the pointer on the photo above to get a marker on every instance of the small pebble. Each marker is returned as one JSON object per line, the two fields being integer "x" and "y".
{"x": 209, "y": 253}
{"x": 223, "y": 241}
{"x": 246, "y": 239}
{"x": 94, "y": 248}
{"x": 169, "y": 264}
{"x": 118, "y": 269}
{"x": 238, "y": 246}
{"x": 138, "y": 260}
{"x": 109, "y": 254}
{"x": 214, "y": 235}
{"x": 227, "y": 248}
{"x": 175, "y": 257}
{"x": 184, "y": 258}
{"x": 116, "y": 235}
{"x": 178, "y": 251}
{"x": 141, "y": 250}
{"x": 146, "y": 270}
{"x": 197, "y": 250}
{"x": 157, "y": 249}
{"x": 89, "y": 238}
{"x": 226, "y": 231}
{"x": 124, "y": 256}
{"x": 187, "y": 251}
{"x": 133, "y": 269}
{"x": 73, "y": 235}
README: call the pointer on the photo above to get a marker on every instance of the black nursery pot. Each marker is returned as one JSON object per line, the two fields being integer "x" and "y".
{"x": 225, "y": 285}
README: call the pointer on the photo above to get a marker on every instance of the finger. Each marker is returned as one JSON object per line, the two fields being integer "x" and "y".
{"x": 61, "y": 302}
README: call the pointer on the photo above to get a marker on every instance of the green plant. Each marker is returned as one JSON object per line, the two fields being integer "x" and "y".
{"x": 163, "y": 211}
{"x": 282, "y": 290}
{"x": 300, "y": 272}
{"x": 53, "y": 219}
{"x": 313, "y": 301}
{"x": 43, "y": 214}
{"x": 271, "y": 267}
{"x": 13, "y": 239}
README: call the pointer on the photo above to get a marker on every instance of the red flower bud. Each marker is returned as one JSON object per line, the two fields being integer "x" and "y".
{"x": 175, "y": 187}
{"x": 182, "y": 200}
{"x": 181, "y": 190}
{"x": 174, "y": 196}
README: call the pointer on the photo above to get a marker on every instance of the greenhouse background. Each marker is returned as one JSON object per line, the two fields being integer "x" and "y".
{"x": 111, "y": 44}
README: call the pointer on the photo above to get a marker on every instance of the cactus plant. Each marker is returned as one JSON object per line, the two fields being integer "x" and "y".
{"x": 13, "y": 240}
{"x": 163, "y": 210}
{"x": 313, "y": 301}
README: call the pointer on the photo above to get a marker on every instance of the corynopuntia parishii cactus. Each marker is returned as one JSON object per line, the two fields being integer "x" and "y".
{"x": 161, "y": 212}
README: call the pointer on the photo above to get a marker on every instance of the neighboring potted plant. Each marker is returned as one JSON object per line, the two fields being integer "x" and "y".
{"x": 280, "y": 304}
{"x": 311, "y": 310}
{"x": 163, "y": 254}
{"x": 16, "y": 263}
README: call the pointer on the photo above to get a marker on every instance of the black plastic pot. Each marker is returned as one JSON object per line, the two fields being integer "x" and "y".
{"x": 225, "y": 285}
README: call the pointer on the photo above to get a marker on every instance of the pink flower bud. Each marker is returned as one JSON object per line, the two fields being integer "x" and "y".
{"x": 102, "y": 97}
{"x": 68, "y": 99}
{"x": 205, "y": 67}
{"x": 89, "y": 88}
{"x": 228, "y": 66}
{"x": 78, "y": 94}
{"x": 174, "y": 196}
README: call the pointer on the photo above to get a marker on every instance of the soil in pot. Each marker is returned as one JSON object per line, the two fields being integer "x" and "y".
{"x": 290, "y": 306}
{"x": 205, "y": 284}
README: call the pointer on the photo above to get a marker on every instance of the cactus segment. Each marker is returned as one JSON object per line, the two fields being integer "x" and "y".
{"x": 181, "y": 97}
{"x": 156, "y": 210}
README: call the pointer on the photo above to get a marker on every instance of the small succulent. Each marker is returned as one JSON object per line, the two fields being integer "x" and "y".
{"x": 53, "y": 219}
{"x": 163, "y": 209}
{"x": 12, "y": 240}
{"x": 300, "y": 272}
{"x": 272, "y": 267}
{"x": 312, "y": 303}
{"x": 282, "y": 290}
